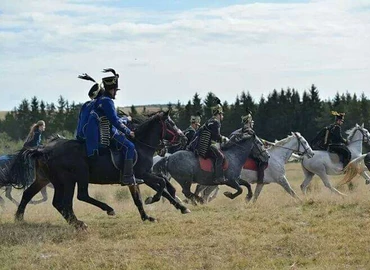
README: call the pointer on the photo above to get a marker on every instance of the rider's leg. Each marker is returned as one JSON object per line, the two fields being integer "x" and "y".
{"x": 218, "y": 162}
{"x": 128, "y": 151}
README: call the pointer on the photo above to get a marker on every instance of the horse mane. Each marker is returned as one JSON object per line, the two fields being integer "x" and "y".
{"x": 285, "y": 140}
{"x": 351, "y": 132}
{"x": 282, "y": 141}
{"x": 144, "y": 122}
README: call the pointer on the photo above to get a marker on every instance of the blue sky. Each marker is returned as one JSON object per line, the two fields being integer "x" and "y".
{"x": 165, "y": 51}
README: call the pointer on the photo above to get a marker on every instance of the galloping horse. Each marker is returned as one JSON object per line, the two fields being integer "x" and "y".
{"x": 280, "y": 153}
{"x": 186, "y": 168}
{"x": 64, "y": 163}
{"x": 325, "y": 163}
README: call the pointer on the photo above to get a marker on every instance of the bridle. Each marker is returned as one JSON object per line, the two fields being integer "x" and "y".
{"x": 300, "y": 142}
{"x": 365, "y": 137}
{"x": 164, "y": 131}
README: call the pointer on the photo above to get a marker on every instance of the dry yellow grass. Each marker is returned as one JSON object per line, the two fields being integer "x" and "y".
{"x": 322, "y": 232}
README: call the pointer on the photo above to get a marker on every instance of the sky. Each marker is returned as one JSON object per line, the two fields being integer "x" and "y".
{"x": 166, "y": 51}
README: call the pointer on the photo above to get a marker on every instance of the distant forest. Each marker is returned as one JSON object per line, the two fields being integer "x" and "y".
{"x": 275, "y": 116}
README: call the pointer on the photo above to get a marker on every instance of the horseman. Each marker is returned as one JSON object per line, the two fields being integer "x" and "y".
{"x": 334, "y": 140}
{"x": 204, "y": 144}
{"x": 259, "y": 153}
{"x": 189, "y": 133}
{"x": 94, "y": 93}
{"x": 105, "y": 129}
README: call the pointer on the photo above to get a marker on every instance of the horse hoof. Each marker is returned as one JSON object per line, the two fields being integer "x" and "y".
{"x": 111, "y": 213}
{"x": 248, "y": 199}
{"x": 186, "y": 201}
{"x": 185, "y": 211}
{"x": 80, "y": 225}
{"x": 149, "y": 200}
{"x": 18, "y": 218}
{"x": 228, "y": 194}
{"x": 151, "y": 219}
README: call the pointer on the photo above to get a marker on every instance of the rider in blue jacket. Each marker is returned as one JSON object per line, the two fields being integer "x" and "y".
{"x": 105, "y": 127}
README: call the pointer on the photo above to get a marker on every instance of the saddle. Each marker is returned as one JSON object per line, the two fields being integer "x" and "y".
{"x": 251, "y": 164}
{"x": 114, "y": 155}
{"x": 207, "y": 164}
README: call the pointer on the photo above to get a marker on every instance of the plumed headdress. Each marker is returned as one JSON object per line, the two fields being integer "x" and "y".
{"x": 95, "y": 89}
{"x": 195, "y": 119}
{"x": 247, "y": 118}
{"x": 110, "y": 82}
{"x": 338, "y": 116}
{"x": 218, "y": 108}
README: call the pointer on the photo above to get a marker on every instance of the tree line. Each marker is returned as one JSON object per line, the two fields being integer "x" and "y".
{"x": 275, "y": 116}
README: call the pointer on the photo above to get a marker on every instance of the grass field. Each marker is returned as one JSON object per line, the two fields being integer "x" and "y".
{"x": 324, "y": 231}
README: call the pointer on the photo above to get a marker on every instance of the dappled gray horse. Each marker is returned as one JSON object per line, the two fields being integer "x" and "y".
{"x": 186, "y": 168}
{"x": 324, "y": 163}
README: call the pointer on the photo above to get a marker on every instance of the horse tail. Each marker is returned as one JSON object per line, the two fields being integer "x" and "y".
{"x": 352, "y": 169}
{"x": 19, "y": 171}
{"x": 161, "y": 166}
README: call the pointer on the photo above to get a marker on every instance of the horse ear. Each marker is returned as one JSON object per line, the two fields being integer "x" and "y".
{"x": 166, "y": 113}
{"x": 292, "y": 133}
{"x": 362, "y": 125}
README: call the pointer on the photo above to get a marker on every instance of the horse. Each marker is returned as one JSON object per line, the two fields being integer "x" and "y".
{"x": 64, "y": 163}
{"x": 324, "y": 163}
{"x": 186, "y": 168}
{"x": 280, "y": 152}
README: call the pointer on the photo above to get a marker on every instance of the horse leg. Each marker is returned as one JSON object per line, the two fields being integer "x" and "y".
{"x": 257, "y": 191}
{"x": 2, "y": 203}
{"x": 285, "y": 184}
{"x": 366, "y": 177}
{"x": 155, "y": 182}
{"x": 170, "y": 194}
{"x": 44, "y": 194}
{"x": 212, "y": 194}
{"x": 308, "y": 177}
{"x": 198, "y": 190}
{"x": 186, "y": 185}
{"x": 8, "y": 194}
{"x": 136, "y": 196}
{"x": 27, "y": 196}
{"x": 327, "y": 184}
{"x": 67, "y": 206}
{"x": 83, "y": 195}
{"x": 234, "y": 184}
{"x": 249, "y": 196}
{"x": 171, "y": 190}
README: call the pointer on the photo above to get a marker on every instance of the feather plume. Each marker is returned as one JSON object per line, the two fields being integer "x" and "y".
{"x": 87, "y": 77}
{"x": 110, "y": 70}
{"x": 217, "y": 100}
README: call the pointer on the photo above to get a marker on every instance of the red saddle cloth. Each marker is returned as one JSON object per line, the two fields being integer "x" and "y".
{"x": 250, "y": 164}
{"x": 207, "y": 164}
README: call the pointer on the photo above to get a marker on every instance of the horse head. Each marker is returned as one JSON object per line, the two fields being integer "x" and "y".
{"x": 303, "y": 147}
{"x": 170, "y": 132}
{"x": 365, "y": 135}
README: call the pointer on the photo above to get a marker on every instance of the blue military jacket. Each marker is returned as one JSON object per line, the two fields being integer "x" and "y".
{"x": 103, "y": 109}
{"x": 83, "y": 118}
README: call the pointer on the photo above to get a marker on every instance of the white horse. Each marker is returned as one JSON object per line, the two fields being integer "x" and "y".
{"x": 280, "y": 152}
{"x": 325, "y": 163}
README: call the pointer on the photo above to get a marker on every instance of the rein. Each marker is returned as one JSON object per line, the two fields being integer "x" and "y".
{"x": 299, "y": 144}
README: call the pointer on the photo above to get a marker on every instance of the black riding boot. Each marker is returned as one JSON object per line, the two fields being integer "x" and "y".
{"x": 219, "y": 174}
{"x": 260, "y": 174}
{"x": 127, "y": 177}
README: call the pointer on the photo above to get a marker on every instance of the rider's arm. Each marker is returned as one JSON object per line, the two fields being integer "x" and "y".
{"x": 215, "y": 127}
{"x": 337, "y": 134}
{"x": 110, "y": 112}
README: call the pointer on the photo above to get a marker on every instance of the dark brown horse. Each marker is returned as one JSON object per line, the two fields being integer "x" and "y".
{"x": 64, "y": 163}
